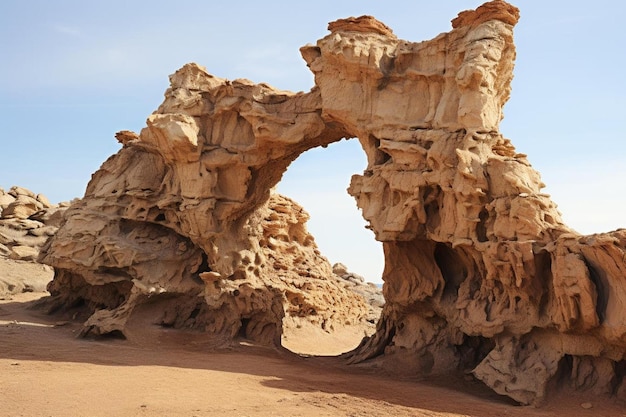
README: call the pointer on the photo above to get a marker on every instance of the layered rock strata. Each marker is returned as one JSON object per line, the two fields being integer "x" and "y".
{"x": 480, "y": 274}
{"x": 27, "y": 220}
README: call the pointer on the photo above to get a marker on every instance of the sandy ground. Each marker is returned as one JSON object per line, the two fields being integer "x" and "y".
{"x": 46, "y": 371}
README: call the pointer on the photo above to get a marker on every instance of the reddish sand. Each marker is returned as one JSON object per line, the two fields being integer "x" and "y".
{"x": 46, "y": 371}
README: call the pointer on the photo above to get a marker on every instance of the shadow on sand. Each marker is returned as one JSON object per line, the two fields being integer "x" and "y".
{"x": 26, "y": 334}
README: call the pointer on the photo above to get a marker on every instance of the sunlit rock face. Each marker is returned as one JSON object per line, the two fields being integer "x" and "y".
{"x": 480, "y": 274}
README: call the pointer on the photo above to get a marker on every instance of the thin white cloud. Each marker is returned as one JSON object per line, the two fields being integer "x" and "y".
{"x": 66, "y": 30}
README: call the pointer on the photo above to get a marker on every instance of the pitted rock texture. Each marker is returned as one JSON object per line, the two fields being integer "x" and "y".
{"x": 480, "y": 274}
{"x": 27, "y": 220}
{"x": 114, "y": 264}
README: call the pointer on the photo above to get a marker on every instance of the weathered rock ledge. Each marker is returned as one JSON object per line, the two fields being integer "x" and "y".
{"x": 481, "y": 273}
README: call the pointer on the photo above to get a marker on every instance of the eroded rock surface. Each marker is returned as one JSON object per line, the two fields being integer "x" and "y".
{"x": 27, "y": 220}
{"x": 480, "y": 274}
{"x": 114, "y": 264}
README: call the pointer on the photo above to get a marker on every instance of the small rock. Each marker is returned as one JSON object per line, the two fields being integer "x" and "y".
{"x": 126, "y": 136}
{"x": 4, "y": 251}
{"x": 340, "y": 269}
{"x": 21, "y": 208}
{"x": 17, "y": 191}
{"x": 43, "y": 200}
{"x": 357, "y": 279}
{"x": 586, "y": 406}
{"x": 24, "y": 253}
{"x": 6, "y": 199}
{"x": 50, "y": 217}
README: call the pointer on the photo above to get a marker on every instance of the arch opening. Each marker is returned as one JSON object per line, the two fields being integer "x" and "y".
{"x": 318, "y": 180}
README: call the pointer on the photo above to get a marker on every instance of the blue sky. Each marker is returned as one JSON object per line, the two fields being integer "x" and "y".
{"x": 74, "y": 72}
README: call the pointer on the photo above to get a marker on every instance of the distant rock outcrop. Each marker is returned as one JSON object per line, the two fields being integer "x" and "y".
{"x": 27, "y": 220}
{"x": 370, "y": 291}
{"x": 480, "y": 274}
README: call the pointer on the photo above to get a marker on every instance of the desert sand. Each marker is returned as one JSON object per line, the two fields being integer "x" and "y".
{"x": 47, "y": 371}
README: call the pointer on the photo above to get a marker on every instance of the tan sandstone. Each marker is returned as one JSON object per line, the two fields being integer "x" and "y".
{"x": 27, "y": 220}
{"x": 481, "y": 275}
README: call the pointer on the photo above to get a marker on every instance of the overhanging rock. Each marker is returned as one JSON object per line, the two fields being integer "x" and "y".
{"x": 480, "y": 272}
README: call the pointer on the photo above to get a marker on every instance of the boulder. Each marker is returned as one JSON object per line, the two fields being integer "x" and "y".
{"x": 340, "y": 269}
{"x": 5, "y": 200}
{"x": 17, "y": 191}
{"x": 24, "y": 253}
{"x": 27, "y": 220}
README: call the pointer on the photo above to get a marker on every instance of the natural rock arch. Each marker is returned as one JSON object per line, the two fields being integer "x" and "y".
{"x": 480, "y": 272}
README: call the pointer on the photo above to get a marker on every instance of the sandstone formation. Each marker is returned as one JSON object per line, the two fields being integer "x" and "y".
{"x": 27, "y": 220}
{"x": 481, "y": 275}
{"x": 113, "y": 264}
{"x": 368, "y": 290}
